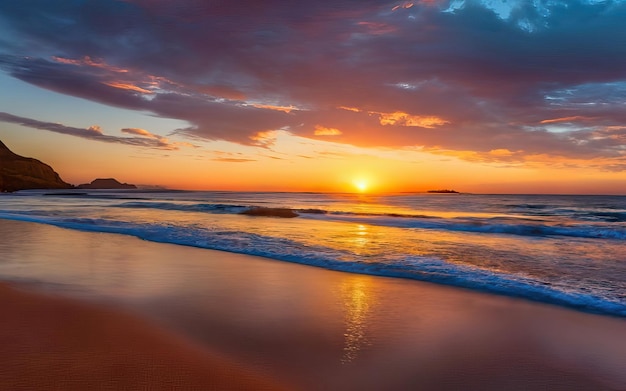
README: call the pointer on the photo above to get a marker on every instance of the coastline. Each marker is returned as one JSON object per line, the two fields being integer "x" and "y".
{"x": 298, "y": 325}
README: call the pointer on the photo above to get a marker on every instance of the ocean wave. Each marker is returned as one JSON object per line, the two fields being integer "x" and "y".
{"x": 601, "y": 212}
{"x": 238, "y": 208}
{"x": 261, "y": 211}
{"x": 194, "y": 207}
{"x": 508, "y": 226}
{"x": 610, "y": 226}
{"x": 421, "y": 268}
{"x": 616, "y": 217}
{"x": 522, "y": 226}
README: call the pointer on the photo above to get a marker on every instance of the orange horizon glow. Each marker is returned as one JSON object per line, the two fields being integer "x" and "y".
{"x": 303, "y": 165}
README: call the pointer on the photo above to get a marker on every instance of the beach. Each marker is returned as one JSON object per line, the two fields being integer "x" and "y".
{"x": 51, "y": 343}
{"x": 111, "y": 311}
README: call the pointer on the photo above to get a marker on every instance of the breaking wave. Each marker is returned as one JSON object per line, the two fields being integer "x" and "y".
{"x": 431, "y": 269}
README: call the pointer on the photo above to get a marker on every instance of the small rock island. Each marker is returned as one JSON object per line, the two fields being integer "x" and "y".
{"x": 443, "y": 191}
{"x": 106, "y": 184}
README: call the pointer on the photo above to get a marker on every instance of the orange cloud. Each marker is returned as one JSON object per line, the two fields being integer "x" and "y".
{"x": 265, "y": 138}
{"x": 323, "y": 131}
{"x": 233, "y": 160}
{"x": 566, "y": 119}
{"x": 95, "y": 129}
{"x": 165, "y": 143}
{"x": 140, "y": 132}
{"x": 89, "y": 62}
{"x": 507, "y": 158}
{"x": 160, "y": 82}
{"x": 354, "y": 109}
{"x": 502, "y": 152}
{"x": 404, "y": 119}
{"x": 129, "y": 87}
{"x": 284, "y": 109}
{"x": 222, "y": 91}
{"x": 501, "y": 155}
{"x": 408, "y": 4}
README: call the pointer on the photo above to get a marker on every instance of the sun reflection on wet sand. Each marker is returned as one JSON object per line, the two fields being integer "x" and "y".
{"x": 358, "y": 303}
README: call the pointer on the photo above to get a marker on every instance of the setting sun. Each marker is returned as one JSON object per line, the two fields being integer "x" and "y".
{"x": 361, "y": 185}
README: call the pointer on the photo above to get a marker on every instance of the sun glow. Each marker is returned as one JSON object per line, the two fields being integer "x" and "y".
{"x": 361, "y": 185}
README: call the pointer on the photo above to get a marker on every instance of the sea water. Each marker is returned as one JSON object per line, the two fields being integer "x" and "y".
{"x": 566, "y": 250}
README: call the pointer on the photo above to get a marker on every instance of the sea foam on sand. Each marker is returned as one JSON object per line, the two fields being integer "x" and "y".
{"x": 112, "y": 311}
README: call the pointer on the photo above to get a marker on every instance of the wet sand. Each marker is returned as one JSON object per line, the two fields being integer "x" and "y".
{"x": 115, "y": 312}
{"x": 51, "y": 343}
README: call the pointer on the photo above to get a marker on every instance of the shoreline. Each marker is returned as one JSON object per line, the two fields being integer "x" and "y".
{"x": 518, "y": 289}
{"x": 307, "y": 327}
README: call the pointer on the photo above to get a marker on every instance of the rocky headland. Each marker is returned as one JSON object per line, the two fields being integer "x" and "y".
{"x": 24, "y": 173}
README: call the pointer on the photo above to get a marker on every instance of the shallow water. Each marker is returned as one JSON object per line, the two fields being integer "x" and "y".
{"x": 566, "y": 250}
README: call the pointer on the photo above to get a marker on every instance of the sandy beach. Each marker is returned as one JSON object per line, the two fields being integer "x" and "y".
{"x": 51, "y": 343}
{"x": 107, "y": 311}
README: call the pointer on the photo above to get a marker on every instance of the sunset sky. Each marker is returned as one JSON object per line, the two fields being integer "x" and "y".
{"x": 491, "y": 96}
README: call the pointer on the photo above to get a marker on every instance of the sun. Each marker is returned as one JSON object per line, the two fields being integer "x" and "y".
{"x": 361, "y": 185}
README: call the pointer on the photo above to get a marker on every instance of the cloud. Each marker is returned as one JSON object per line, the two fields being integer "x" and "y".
{"x": 127, "y": 86}
{"x": 574, "y": 118}
{"x": 91, "y": 133}
{"x": 232, "y": 160}
{"x": 94, "y": 129}
{"x": 140, "y": 132}
{"x": 323, "y": 131}
{"x": 404, "y": 119}
{"x": 265, "y": 138}
{"x": 86, "y": 60}
{"x": 230, "y": 157}
{"x": 285, "y": 109}
{"x": 537, "y": 78}
{"x": 508, "y": 158}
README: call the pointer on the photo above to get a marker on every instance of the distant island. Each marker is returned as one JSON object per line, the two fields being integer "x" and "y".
{"x": 24, "y": 173}
{"x": 106, "y": 183}
{"x": 443, "y": 191}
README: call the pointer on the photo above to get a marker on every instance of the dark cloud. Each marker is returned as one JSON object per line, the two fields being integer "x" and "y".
{"x": 92, "y": 133}
{"x": 85, "y": 81}
{"x": 461, "y": 76}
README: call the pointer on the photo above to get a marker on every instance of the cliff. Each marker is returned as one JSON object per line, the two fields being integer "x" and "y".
{"x": 23, "y": 173}
{"x": 106, "y": 183}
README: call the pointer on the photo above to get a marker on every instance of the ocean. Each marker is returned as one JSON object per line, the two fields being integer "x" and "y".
{"x": 566, "y": 250}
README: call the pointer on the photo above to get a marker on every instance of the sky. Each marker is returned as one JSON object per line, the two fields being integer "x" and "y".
{"x": 485, "y": 96}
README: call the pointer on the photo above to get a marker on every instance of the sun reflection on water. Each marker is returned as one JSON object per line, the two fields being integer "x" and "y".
{"x": 360, "y": 240}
